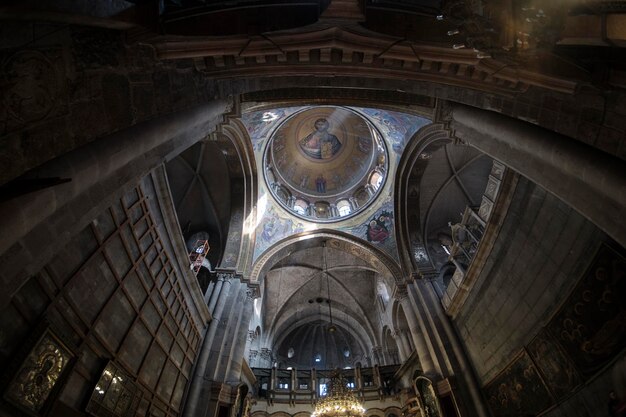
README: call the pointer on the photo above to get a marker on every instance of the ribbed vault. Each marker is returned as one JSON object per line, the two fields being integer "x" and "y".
{"x": 309, "y": 283}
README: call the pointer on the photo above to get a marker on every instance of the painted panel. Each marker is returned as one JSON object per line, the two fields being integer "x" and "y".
{"x": 518, "y": 390}
{"x": 378, "y": 228}
{"x": 591, "y": 324}
{"x": 557, "y": 369}
{"x": 397, "y": 128}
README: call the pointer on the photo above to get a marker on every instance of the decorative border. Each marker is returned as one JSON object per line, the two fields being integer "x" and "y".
{"x": 39, "y": 372}
{"x": 115, "y": 394}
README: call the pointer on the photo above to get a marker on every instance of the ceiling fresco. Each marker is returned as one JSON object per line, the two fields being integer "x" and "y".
{"x": 375, "y": 224}
{"x": 331, "y": 143}
{"x": 325, "y": 164}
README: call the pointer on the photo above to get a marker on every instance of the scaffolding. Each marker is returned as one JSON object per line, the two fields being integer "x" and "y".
{"x": 198, "y": 255}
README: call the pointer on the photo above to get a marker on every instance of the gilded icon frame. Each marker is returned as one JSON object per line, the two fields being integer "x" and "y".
{"x": 41, "y": 372}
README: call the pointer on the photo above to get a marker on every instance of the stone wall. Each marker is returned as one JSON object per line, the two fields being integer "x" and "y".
{"x": 542, "y": 251}
{"x": 65, "y": 86}
{"x": 116, "y": 293}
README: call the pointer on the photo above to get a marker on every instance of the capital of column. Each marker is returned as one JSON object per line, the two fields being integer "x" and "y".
{"x": 266, "y": 353}
{"x": 252, "y": 293}
{"x": 399, "y": 292}
{"x": 225, "y": 276}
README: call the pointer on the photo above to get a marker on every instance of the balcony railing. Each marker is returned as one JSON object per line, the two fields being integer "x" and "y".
{"x": 300, "y": 386}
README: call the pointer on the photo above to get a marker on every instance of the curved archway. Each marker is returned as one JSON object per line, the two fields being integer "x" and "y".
{"x": 436, "y": 133}
{"x": 380, "y": 261}
{"x": 437, "y": 180}
{"x": 297, "y": 290}
{"x": 391, "y": 346}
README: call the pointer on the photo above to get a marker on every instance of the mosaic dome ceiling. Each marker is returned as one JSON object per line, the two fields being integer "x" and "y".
{"x": 325, "y": 163}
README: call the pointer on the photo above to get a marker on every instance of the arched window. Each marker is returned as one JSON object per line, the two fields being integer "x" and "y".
{"x": 376, "y": 180}
{"x": 343, "y": 207}
{"x": 301, "y": 207}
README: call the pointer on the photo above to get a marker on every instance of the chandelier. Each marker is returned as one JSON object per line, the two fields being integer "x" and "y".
{"x": 339, "y": 401}
{"x": 331, "y": 328}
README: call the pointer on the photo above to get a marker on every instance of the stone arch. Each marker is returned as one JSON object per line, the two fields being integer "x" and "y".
{"x": 393, "y": 411}
{"x": 426, "y": 136}
{"x": 402, "y": 328}
{"x": 375, "y": 412}
{"x": 337, "y": 240}
{"x": 390, "y": 345}
{"x": 426, "y": 394}
{"x": 280, "y": 414}
{"x": 235, "y": 143}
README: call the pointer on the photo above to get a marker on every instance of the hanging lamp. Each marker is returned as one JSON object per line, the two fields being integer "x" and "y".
{"x": 339, "y": 400}
{"x": 331, "y": 327}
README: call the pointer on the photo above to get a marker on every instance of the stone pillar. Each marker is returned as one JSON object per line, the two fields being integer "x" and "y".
{"x": 227, "y": 331}
{"x": 216, "y": 292}
{"x": 314, "y": 387}
{"x": 445, "y": 342}
{"x": 333, "y": 210}
{"x": 401, "y": 348}
{"x": 233, "y": 370}
{"x": 353, "y": 203}
{"x": 209, "y": 293}
{"x": 423, "y": 353}
{"x": 589, "y": 180}
{"x": 405, "y": 337}
{"x": 192, "y": 408}
{"x": 377, "y": 355}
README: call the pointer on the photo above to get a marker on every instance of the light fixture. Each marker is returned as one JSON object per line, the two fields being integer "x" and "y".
{"x": 339, "y": 400}
{"x": 331, "y": 327}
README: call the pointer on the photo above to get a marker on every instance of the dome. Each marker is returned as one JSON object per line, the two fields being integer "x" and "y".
{"x": 325, "y": 163}
{"x": 313, "y": 346}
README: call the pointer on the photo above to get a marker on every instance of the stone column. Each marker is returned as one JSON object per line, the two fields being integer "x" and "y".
{"x": 209, "y": 293}
{"x": 405, "y": 336}
{"x": 377, "y": 355}
{"x": 417, "y": 334}
{"x": 198, "y": 383}
{"x": 358, "y": 378}
{"x": 237, "y": 350}
{"x": 401, "y": 348}
{"x": 589, "y": 180}
{"x": 353, "y": 203}
{"x": 227, "y": 331}
{"x": 333, "y": 210}
{"x": 216, "y": 292}
{"x": 451, "y": 359}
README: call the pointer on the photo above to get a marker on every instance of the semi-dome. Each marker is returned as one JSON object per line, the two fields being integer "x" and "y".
{"x": 325, "y": 163}
{"x": 313, "y": 346}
